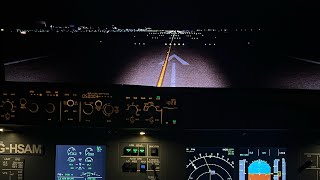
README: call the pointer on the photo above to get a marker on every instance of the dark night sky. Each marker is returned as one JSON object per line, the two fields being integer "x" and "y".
{"x": 164, "y": 13}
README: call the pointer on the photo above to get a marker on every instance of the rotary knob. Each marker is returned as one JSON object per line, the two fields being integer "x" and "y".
{"x": 152, "y": 110}
{"x": 107, "y": 110}
{"x": 7, "y": 106}
{"x": 87, "y": 109}
{"x": 34, "y": 108}
{"x": 70, "y": 103}
{"x": 23, "y": 101}
{"x": 50, "y": 108}
{"x": 98, "y": 105}
{"x": 132, "y": 110}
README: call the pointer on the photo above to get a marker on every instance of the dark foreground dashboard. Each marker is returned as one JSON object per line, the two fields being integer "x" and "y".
{"x": 97, "y": 132}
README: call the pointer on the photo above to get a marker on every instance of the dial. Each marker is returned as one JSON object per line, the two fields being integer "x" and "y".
{"x": 50, "y": 108}
{"x": 87, "y": 109}
{"x": 132, "y": 110}
{"x": 7, "y": 106}
{"x": 70, "y": 103}
{"x": 107, "y": 109}
{"x": 23, "y": 101}
{"x": 34, "y": 107}
{"x": 152, "y": 110}
{"x": 98, "y": 103}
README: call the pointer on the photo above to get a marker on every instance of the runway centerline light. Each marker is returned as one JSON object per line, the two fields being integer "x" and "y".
{"x": 1, "y": 130}
{"x": 142, "y": 133}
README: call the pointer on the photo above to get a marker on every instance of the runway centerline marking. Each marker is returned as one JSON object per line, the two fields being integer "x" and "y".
{"x": 165, "y": 64}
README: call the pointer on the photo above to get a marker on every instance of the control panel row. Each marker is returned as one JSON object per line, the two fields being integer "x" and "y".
{"x": 86, "y": 108}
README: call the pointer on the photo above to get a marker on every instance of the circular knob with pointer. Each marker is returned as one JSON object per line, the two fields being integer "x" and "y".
{"x": 132, "y": 110}
{"x": 23, "y": 101}
{"x": 34, "y": 108}
{"x": 152, "y": 110}
{"x": 87, "y": 109}
{"x": 70, "y": 103}
{"x": 50, "y": 108}
{"x": 7, "y": 106}
{"x": 107, "y": 110}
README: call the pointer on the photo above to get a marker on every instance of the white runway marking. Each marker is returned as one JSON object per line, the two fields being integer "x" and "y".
{"x": 24, "y": 60}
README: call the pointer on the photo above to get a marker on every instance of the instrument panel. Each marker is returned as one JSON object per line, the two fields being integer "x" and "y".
{"x": 109, "y": 107}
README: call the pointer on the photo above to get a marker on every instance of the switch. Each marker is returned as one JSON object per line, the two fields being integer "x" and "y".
{"x": 143, "y": 168}
{"x": 126, "y": 167}
{"x": 127, "y": 151}
{"x": 142, "y": 151}
{"x": 154, "y": 152}
{"x": 133, "y": 167}
{"x": 135, "y": 151}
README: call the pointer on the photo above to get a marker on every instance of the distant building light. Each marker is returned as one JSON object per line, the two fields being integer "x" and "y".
{"x": 23, "y": 32}
{"x": 205, "y": 44}
{"x": 182, "y": 44}
{"x": 144, "y": 43}
{"x": 2, "y": 30}
{"x": 214, "y": 44}
{"x": 165, "y": 44}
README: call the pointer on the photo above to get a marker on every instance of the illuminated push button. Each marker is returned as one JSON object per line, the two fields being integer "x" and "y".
{"x": 126, "y": 167}
{"x": 174, "y": 121}
{"x": 143, "y": 168}
{"x": 127, "y": 151}
{"x": 135, "y": 151}
{"x": 154, "y": 151}
{"x": 142, "y": 151}
{"x": 133, "y": 167}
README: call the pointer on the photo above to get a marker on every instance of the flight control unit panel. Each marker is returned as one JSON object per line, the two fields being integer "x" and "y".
{"x": 87, "y": 107}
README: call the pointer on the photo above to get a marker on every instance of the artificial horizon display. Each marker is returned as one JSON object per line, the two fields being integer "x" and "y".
{"x": 262, "y": 164}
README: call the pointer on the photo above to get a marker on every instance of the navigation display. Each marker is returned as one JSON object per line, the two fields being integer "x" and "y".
{"x": 208, "y": 163}
{"x": 80, "y": 162}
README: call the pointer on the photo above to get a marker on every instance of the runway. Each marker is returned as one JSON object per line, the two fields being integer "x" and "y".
{"x": 188, "y": 66}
